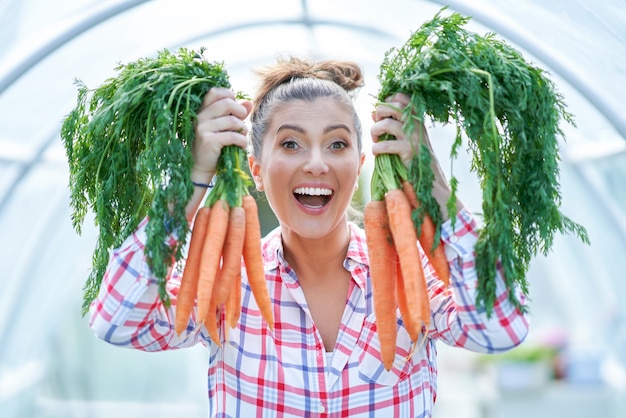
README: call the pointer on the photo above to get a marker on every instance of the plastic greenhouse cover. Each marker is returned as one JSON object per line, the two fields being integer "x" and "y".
{"x": 46, "y": 348}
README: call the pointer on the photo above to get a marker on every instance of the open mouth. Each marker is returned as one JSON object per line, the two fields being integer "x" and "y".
{"x": 313, "y": 197}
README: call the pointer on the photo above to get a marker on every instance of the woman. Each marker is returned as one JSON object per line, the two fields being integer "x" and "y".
{"x": 322, "y": 357}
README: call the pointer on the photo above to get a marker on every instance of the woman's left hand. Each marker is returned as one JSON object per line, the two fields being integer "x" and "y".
{"x": 388, "y": 120}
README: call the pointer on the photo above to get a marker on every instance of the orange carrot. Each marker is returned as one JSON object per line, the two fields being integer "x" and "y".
{"x": 405, "y": 239}
{"x": 211, "y": 255}
{"x": 253, "y": 258}
{"x": 186, "y": 297}
{"x": 403, "y": 304}
{"x": 210, "y": 322}
{"x": 233, "y": 303}
{"x": 436, "y": 255}
{"x": 409, "y": 192}
{"x": 382, "y": 256}
{"x": 231, "y": 254}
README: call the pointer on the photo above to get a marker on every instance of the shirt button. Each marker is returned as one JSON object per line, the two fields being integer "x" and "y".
{"x": 454, "y": 239}
{"x": 321, "y": 409}
{"x": 143, "y": 281}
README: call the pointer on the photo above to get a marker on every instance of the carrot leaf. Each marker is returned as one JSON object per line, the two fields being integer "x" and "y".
{"x": 510, "y": 112}
{"x": 128, "y": 146}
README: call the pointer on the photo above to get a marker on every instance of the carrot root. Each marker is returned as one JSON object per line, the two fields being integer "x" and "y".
{"x": 412, "y": 328}
{"x": 231, "y": 255}
{"x": 435, "y": 253}
{"x": 211, "y": 255}
{"x": 210, "y": 322}
{"x": 405, "y": 239}
{"x": 382, "y": 256}
{"x": 233, "y": 304}
{"x": 186, "y": 297}
{"x": 253, "y": 259}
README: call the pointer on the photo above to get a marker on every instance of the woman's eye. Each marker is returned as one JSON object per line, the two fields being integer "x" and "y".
{"x": 289, "y": 144}
{"x": 338, "y": 145}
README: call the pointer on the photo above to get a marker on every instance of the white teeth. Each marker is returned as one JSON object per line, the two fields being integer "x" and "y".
{"x": 313, "y": 191}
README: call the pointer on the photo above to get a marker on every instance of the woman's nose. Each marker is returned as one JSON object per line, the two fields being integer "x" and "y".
{"x": 316, "y": 163}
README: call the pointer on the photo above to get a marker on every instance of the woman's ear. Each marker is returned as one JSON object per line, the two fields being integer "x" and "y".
{"x": 361, "y": 161}
{"x": 255, "y": 170}
{"x": 358, "y": 174}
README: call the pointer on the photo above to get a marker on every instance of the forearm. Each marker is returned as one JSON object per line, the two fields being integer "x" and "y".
{"x": 128, "y": 311}
{"x": 457, "y": 320}
{"x": 442, "y": 193}
{"x": 201, "y": 182}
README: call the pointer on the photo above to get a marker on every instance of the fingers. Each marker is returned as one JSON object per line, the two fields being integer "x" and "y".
{"x": 387, "y": 126}
{"x": 403, "y": 149}
{"x": 221, "y": 102}
{"x": 400, "y": 98}
{"x": 221, "y": 112}
{"x": 207, "y": 125}
{"x": 220, "y": 122}
{"x": 388, "y": 118}
{"x": 391, "y": 108}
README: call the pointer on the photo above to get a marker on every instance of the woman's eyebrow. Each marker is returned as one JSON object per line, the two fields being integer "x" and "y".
{"x": 339, "y": 126}
{"x": 290, "y": 128}
{"x": 336, "y": 127}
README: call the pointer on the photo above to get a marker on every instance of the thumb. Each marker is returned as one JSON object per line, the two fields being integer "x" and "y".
{"x": 248, "y": 105}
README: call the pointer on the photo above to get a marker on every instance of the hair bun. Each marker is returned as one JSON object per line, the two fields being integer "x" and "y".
{"x": 346, "y": 74}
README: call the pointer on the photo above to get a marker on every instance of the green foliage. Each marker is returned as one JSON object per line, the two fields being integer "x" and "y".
{"x": 510, "y": 112}
{"x": 389, "y": 173}
{"x": 128, "y": 145}
{"x": 232, "y": 178}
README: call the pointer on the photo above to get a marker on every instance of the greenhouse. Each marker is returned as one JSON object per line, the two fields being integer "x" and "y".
{"x": 573, "y": 361}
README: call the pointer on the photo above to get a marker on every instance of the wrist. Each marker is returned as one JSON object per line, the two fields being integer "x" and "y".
{"x": 201, "y": 178}
{"x": 203, "y": 185}
{"x": 441, "y": 193}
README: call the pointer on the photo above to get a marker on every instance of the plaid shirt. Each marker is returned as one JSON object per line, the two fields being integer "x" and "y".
{"x": 288, "y": 373}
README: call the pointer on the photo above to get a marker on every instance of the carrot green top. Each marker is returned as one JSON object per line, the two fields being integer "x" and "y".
{"x": 128, "y": 145}
{"x": 510, "y": 111}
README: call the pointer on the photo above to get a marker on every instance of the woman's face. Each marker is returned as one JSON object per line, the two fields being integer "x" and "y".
{"x": 309, "y": 165}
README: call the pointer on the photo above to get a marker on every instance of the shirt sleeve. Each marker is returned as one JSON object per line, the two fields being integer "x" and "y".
{"x": 455, "y": 318}
{"x": 128, "y": 311}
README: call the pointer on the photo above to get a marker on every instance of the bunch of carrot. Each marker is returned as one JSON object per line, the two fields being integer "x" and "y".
{"x": 225, "y": 230}
{"x": 509, "y": 114}
{"x": 396, "y": 271}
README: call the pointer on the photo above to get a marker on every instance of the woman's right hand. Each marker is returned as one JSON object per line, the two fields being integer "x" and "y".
{"x": 220, "y": 122}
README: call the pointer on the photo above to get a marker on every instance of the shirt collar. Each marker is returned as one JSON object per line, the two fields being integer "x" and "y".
{"x": 356, "y": 257}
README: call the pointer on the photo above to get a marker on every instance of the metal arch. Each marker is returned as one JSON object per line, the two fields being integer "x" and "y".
{"x": 104, "y": 13}
{"x": 304, "y": 21}
{"x": 25, "y": 169}
{"x": 14, "y": 72}
{"x": 598, "y": 100}
{"x": 30, "y": 60}
{"x": 101, "y": 14}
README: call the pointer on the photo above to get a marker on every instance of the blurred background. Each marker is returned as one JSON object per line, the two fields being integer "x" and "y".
{"x": 51, "y": 366}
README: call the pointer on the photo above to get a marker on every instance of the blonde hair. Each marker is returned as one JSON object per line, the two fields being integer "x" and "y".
{"x": 299, "y": 79}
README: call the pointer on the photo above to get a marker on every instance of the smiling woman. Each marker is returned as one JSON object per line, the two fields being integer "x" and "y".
{"x": 305, "y": 151}
{"x": 306, "y": 158}
{"x": 51, "y": 366}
